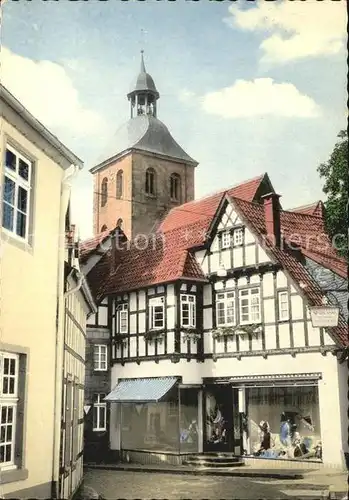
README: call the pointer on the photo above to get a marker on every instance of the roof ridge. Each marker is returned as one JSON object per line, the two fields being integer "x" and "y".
{"x": 315, "y": 203}
{"x": 219, "y": 192}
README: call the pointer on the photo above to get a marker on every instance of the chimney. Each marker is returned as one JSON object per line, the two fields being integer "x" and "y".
{"x": 113, "y": 252}
{"x": 115, "y": 245}
{"x": 272, "y": 218}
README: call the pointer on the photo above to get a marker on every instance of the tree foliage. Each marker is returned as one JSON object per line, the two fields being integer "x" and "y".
{"x": 335, "y": 175}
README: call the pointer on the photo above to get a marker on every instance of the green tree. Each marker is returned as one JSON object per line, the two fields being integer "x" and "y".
{"x": 335, "y": 175}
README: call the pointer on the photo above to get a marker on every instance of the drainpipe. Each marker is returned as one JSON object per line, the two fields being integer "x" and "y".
{"x": 59, "y": 354}
{"x": 77, "y": 287}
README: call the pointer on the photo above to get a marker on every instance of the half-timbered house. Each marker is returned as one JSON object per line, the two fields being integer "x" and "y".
{"x": 208, "y": 335}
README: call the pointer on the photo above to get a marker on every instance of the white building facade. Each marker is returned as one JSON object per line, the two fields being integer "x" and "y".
{"x": 229, "y": 359}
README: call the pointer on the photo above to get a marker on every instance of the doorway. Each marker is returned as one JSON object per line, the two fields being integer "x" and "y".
{"x": 218, "y": 418}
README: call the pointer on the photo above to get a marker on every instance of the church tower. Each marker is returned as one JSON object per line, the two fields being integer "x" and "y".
{"x": 145, "y": 172}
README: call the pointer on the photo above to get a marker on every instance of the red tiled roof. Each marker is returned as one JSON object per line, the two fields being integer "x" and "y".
{"x": 254, "y": 215}
{"x": 168, "y": 257}
{"x": 165, "y": 259}
{"x": 88, "y": 246}
{"x": 204, "y": 209}
{"x": 316, "y": 209}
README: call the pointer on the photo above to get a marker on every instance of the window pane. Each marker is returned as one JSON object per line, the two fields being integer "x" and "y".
{"x": 7, "y": 217}
{"x": 23, "y": 169}
{"x": 10, "y": 160}
{"x": 2, "y": 434}
{"x": 12, "y": 367}
{"x": 21, "y": 224}
{"x": 5, "y": 385}
{"x": 22, "y": 199}
{"x": 102, "y": 415}
{"x": 12, "y": 386}
{"x": 9, "y": 191}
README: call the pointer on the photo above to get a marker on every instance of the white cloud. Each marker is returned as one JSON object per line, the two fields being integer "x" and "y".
{"x": 294, "y": 30}
{"x": 260, "y": 97}
{"x": 186, "y": 95}
{"x": 47, "y": 91}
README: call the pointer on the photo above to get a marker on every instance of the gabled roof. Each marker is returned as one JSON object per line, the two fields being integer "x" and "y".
{"x": 170, "y": 256}
{"x": 87, "y": 247}
{"x": 316, "y": 209}
{"x": 164, "y": 260}
{"x": 253, "y": 214}
{"x": 14, "y": 103}
{"x": 203, "y": 210}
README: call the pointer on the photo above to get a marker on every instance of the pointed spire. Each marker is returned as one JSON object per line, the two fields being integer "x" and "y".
{"x": 142, "y": 62}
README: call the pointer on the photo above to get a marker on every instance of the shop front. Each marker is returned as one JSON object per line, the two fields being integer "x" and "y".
{"x": 270, "y": 417}
{"x": 264, "y": 416}
{"x": 158, "y": 415}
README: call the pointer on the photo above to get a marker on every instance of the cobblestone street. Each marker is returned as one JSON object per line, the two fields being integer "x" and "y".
{"x": 130, "y": 485}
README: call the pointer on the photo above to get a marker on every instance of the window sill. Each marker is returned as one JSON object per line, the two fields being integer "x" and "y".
{"x": 99, "y": 430}
{"x": 15, "y": 240}
{"x": 14, "y": 475}
{"x": 100, "y": 369}
{"x": 149, "y": 195}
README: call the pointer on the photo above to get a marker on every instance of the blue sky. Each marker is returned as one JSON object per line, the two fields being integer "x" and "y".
{"x": 246, "y": 87}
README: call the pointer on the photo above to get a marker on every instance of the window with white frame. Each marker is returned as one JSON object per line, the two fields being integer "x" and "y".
{"x": 156, "y": 313}
{"x": 100, "y": 357}
{"x": 225, "y": 309}
{"x": 283, "y": 306}
{"x": 238, "y": 236}
{"x": 16, "y": 193}
{"x": 188, "y": 310}
{"x": 9, "y": 371}
{"x": 250, "y": 307}
{"x": 99, "y": 413}
{"x": 226, "y": 239}
{"x": 122, "y": 318}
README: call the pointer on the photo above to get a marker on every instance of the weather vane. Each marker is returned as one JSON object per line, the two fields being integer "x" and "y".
{"x": 143, "y": 33}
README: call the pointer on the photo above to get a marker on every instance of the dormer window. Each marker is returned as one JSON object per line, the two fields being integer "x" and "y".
{"x": 104, "y": 192}
{"x": 226, "y": 239}
{"x": 156, "y": 313}
{"x": 150, "y": 181}
{"x": 238, "y": 236}
{"x": 175, "y": 186}
{"x": 122, "y": 319}
{"x": 119, "y": 183}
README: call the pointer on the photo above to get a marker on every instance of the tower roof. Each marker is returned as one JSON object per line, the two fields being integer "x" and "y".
{"x": 144, "y": 82}
{"x": 144, "y": 133}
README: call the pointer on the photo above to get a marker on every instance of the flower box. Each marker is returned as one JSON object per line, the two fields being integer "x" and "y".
{"x": 153, "y": 335}
{"x": 231, "y": 332}
{"x": 190, "y": 334}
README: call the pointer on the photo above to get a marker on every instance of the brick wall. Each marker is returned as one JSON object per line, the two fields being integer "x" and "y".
{"x": 139, "y": 211}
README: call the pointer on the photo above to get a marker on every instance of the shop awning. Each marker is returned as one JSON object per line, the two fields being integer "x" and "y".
{"x": 141, "y": 390}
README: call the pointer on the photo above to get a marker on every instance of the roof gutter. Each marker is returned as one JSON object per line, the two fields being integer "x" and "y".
{"x": 40, "y": 128}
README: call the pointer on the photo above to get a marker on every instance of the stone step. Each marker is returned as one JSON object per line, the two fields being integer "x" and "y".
{"x": 206, "y": 464}
{"x": 206, "y": 458}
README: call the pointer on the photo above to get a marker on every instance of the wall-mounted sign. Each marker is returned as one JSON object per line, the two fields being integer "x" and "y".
{"x": 87, "y": 409}
{"x": 324, "y": 316}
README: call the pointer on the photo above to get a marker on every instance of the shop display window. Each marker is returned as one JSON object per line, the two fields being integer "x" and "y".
{"x": 284, "y": 422}
{"x": 189, "y": 420}
{"x": 151, "y": 426}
